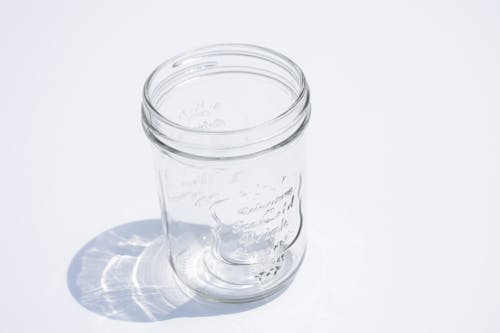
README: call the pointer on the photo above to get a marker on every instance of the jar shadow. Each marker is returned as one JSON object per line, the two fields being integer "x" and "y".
{"x": 124, "y": 274}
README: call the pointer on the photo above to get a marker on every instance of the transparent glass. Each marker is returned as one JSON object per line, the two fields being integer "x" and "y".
{"x": 226, "y": 123}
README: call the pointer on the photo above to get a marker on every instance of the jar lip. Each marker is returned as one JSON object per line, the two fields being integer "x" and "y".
{"x": 226, "y": 49}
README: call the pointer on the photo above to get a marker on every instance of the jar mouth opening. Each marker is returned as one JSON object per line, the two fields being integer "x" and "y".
{"x": 190, "y": 57}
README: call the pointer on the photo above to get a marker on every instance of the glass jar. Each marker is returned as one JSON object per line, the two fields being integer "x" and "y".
{"x": 226, "y": 123}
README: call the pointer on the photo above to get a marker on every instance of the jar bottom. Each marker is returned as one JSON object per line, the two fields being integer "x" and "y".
{"x": 194, "y": 273}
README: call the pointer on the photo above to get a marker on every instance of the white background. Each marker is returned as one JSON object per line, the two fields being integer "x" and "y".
{"x": 404, "y": 156}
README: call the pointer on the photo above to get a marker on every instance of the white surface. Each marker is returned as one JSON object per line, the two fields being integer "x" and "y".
{"x": 404, "y": 184}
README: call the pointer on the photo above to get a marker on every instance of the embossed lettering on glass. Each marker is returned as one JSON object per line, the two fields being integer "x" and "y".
{"x": 226, "y": 123}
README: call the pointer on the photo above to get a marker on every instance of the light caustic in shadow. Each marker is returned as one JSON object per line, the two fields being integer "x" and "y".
{"x": 124, "y": 274}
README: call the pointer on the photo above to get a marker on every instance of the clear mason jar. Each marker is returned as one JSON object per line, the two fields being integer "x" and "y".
{"x": 226, "y": 123}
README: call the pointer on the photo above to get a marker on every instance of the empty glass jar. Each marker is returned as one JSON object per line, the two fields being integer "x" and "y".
{"x": 226, "y": 122}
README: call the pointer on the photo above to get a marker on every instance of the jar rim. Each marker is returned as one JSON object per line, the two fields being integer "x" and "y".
{"x": 226, "y": 49}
